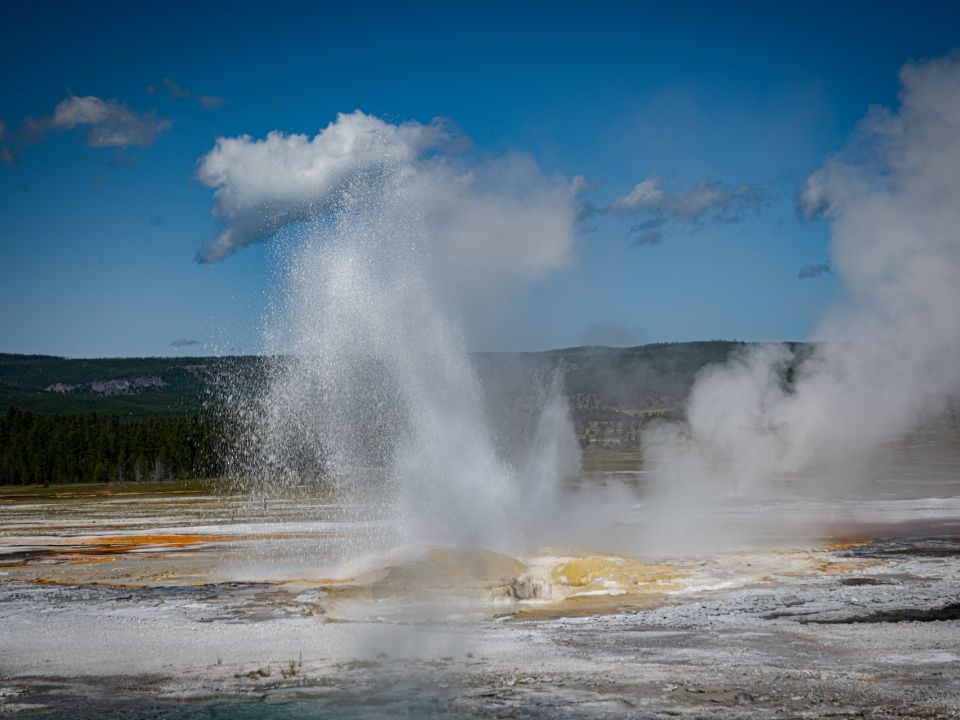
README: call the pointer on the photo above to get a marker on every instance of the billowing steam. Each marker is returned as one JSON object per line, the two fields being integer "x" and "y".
{"x": 884, "y": 357}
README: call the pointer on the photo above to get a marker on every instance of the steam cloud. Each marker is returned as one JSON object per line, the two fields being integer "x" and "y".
{"x": 887, "y": 355}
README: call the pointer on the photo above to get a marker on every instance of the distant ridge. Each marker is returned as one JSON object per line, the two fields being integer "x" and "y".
{"x": 616, "y": 379}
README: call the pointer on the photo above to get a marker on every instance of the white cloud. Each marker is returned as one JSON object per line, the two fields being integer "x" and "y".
{"x": 500, "y": 217}
{"x": 813, "y": 197}
{"x": 110, "y": 123}
{"x": 646, "y": 195}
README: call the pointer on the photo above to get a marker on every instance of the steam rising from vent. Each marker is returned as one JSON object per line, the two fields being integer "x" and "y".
{"x": 370, "y": 389}
{"x": 888, "y": 354}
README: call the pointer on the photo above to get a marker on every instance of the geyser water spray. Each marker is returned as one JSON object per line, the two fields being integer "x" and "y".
{"x": 370, "y": 390}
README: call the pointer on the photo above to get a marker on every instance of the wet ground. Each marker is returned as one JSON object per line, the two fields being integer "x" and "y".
{"x": 189, "y": 606}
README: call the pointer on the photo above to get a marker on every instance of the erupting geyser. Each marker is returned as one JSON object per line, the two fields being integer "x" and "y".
{"x": 371, "y": 386}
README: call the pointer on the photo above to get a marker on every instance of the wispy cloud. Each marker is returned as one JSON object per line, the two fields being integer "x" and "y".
{"x": 174, "y": 90}
{"x": 183, "y": 342}
{"x": 813, "y": 197}
{"x": 704, "y": 198}
{"x": 109, "y": 123}
{"x": 665, "y": 211}
{"x": 812, "y": 271}
{"x": 637, "y": 239}
{"x": 502, "y": 214}
{"x": 179, "y": 92}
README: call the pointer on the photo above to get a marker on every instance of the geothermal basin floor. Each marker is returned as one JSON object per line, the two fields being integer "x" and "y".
{"x": 148, "y": 606}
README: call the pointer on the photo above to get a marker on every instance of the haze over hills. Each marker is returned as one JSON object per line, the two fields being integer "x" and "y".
{"x": 654, "y": 377}
{"x": 157, "y": 418}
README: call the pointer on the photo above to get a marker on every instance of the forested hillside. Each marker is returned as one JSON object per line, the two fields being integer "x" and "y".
{"x": 129, "y": 419}
{"x": 93, "y": 447}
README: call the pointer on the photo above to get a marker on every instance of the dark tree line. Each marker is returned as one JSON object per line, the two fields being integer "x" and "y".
{"x": 54, "y": 449}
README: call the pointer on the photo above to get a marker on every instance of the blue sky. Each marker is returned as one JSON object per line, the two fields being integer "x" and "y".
{"x": 98, "y": 244}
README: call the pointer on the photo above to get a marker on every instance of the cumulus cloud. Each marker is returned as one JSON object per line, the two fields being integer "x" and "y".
{"x": 613, "y": 334}
{"x": 109, "y": 123}
{"x": 812, "y": 271}
{"x": 262, "y": 185}
{"x": 183, "y": 342}
{"x": 499, "y": 216}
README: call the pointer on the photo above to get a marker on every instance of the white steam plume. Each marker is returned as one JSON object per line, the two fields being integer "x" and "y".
{"x": 883, "y": 358}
